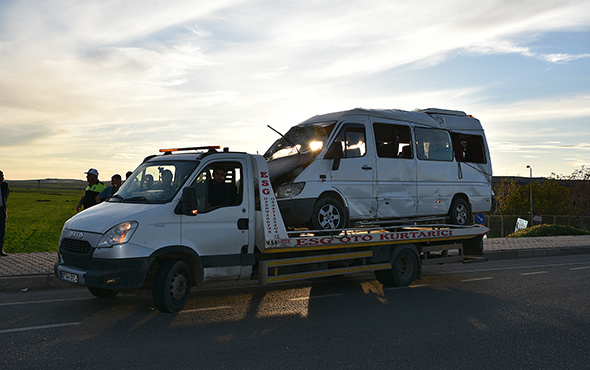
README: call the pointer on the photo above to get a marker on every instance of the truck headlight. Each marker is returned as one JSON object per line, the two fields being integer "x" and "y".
{"x": 118, "y": 234}
{"x": 289, "y": 190}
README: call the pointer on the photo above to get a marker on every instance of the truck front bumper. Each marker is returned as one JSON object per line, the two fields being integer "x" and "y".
{"x": 107, "y": 273}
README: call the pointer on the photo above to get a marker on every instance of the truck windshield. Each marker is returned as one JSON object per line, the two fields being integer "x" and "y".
{"x": 308, "y": 139}
{"x": 155, "y": 182}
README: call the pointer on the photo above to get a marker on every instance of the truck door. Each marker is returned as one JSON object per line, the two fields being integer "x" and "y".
{"x": 355, "y": 177}
{"x": 220, "y": 230}
{"x": 396, "y": 170}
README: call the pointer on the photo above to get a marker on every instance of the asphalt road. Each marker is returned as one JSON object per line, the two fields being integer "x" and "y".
{"x": 525, "y": 313}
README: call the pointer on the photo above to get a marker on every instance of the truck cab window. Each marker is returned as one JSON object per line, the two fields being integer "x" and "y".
{"x": 219, "y": 185}
{"x": 393, "y": 141}
{"x": 433, "y": 144}
{"x": 156, "y": 182}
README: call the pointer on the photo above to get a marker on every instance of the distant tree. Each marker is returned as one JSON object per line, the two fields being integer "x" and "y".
{"x": 502, "y": 195}
{"x": 549, "y": 198}
{"x": 579, "y": 185}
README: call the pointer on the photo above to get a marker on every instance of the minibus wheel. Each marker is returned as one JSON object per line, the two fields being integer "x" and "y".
{"x": 171, "y": 286}
{"x": 460, "y": 212}
{"x": 328, "y": 213}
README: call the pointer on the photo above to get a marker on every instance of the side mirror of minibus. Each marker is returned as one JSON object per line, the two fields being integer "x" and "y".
{"x": 335, "y": 152}
{"x": 189, "y": 201}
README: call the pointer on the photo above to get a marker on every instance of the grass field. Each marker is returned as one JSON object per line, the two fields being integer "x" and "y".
{"x": 36, "y": 217}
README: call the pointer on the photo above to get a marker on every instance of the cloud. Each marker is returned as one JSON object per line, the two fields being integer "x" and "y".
{"x": 127, "y": 77}
{"x": 563, "y": 58}
{"x": 23, "y": 134}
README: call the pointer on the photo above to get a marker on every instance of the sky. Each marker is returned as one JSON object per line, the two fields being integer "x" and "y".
{"x": 104, "y": 83}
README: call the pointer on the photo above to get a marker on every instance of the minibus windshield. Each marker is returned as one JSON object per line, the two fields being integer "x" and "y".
{"x": 301, "y": 139}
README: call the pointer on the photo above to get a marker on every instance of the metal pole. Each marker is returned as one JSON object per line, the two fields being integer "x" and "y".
{"x": 531, "y": 186}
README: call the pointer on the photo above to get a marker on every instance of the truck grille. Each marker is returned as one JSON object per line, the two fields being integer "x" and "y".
{"x": 75, "y": 246}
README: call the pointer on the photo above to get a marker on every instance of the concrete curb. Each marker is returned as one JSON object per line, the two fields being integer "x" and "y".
{"x": 539, "y": 252}
{"x": 32, "y": 282}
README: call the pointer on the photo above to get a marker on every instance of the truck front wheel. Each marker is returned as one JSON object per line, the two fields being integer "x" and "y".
{"x": 404, "y": 269}
{"x": 171, "y": 286}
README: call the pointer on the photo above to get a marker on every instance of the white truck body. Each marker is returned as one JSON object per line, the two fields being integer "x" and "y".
{"x": 172, "y": 238}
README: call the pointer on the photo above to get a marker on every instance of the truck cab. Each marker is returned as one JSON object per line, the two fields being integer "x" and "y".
{"x": 146, "y": 225}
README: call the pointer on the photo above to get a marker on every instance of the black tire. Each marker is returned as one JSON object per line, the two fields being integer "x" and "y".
{"x": 172, "y": 286}
{"x": 328, "y": 213}
{"x": 102, "y": 293}
{"x": 404, "y": 269}
{"x": 460, "y": 212}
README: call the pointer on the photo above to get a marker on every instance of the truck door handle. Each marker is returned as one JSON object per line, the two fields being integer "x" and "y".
{"x": 365, "y": 167}
{"x": 243, "y": 224}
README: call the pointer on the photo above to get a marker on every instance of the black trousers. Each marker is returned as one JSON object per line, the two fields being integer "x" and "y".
{"x": 2, "y": 227}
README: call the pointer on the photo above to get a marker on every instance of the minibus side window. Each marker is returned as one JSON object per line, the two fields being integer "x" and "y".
{"x": 433, "y": 144}
{"x": 352, "y": 138}
{"x": 393, "y": 141}
{"x": 468, "y": 148}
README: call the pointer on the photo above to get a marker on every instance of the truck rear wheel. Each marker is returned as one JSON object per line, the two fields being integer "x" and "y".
{"x": 102, "y": 293}
{"x": 404, "y": 269}
{"x": 172, "y": 286}
{"x": 328, "y": 213}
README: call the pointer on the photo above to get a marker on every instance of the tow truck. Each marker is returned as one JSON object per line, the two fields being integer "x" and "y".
{"x": 171, "y": 237}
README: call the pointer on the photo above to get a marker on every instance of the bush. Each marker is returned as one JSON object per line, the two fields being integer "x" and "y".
{"x": 548, "y": 230}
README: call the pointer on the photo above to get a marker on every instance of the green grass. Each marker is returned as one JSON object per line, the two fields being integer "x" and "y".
{"x": 548, "y": 230}
{"x": 36, "y": 217}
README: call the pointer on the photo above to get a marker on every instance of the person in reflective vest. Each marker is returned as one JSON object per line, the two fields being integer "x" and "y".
{"x": 94, "y": 188}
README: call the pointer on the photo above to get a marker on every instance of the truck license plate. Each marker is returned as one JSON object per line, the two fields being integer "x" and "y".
{"x": 69, "y": 277}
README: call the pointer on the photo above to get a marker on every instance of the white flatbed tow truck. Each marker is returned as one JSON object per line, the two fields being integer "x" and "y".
{"x": 171, "y": 237}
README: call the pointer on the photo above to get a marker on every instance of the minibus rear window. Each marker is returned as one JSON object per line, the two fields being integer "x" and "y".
{"x": 468, "y": 148}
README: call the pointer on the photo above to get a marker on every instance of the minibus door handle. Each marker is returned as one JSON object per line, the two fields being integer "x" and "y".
{"x": 365, "y": 167}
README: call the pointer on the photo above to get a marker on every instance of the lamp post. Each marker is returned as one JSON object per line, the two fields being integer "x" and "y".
{"x": 531, "y": 186}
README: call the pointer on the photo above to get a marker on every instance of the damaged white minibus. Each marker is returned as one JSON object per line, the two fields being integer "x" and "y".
{"x": 334, "y": 170}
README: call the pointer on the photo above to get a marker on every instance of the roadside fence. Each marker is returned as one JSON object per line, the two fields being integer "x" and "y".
{"x": 502, "y": 225}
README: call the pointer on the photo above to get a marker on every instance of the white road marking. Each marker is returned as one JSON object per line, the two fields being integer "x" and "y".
{"x": 534, "y": 273}
{"x": 315, "y": 297}
{"x": 46, "y": 301}
{"x": 478, "y": 279}
{"x": 205, "y": 309}
{"x": 505, "y": 268}
{"x": 404, "y": 287}
{"x": 16, "y": 330}
{"x": 580, "y": 268}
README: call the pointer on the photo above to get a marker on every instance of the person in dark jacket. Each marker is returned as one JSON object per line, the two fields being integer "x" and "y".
{"x": 4, "y": 191}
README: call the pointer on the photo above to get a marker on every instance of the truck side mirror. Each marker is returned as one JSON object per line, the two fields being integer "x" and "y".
{"x": 189, "y": 201}
{"x": 335, "y": 152}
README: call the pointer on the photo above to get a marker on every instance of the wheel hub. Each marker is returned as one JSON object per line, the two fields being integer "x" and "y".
{"x": 178, "y": 286}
